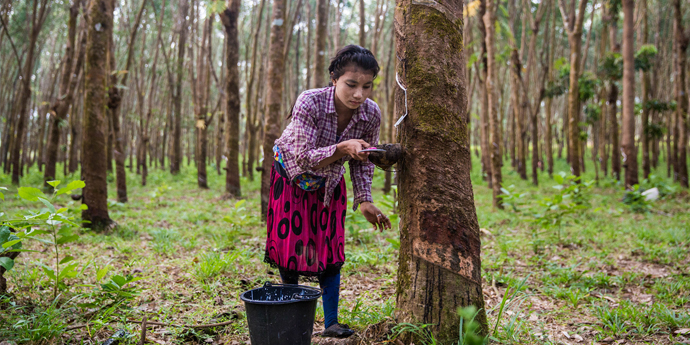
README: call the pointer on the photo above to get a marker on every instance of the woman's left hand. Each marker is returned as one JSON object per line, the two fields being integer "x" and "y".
{"x": 375, "y": 216}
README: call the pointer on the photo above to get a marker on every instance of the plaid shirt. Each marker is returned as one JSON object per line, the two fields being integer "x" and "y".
{"x": 311, "y": 137}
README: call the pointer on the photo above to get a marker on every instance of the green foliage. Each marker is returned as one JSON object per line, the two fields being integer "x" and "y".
{"x": 658, "y": 105}
{"x": 511, "y": 198}
{"x": 556, "y": 211}
{"x": 666, "y": 188}
{"x": 592, "y": 113}
{"x": 644, "y": 57}
{"x": 470, "y": 330}
{"x": 210, "y": 265}
{"x": 587, "y": 84}
{"x": 611, "y": 68}
{"x": 29, "y": 226}
{"x": 636, "y": 201}
{"x": 239, "y": 217}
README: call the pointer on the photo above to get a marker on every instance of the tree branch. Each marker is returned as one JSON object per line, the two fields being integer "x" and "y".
{"x": 14, "y": 49}
{"x": 566, "y": 20}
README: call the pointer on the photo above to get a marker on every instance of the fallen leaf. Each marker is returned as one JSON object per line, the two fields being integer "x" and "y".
{"x": 682, "y": 331}
{"x": 565, "y": 334}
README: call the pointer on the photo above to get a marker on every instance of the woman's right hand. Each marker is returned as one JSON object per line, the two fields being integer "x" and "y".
{"x": 352, "y": 147}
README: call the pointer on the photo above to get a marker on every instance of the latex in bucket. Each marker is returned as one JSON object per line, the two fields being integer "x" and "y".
{"x": 280, "y": 314}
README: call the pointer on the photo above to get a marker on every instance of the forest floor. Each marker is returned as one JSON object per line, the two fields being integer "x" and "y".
{"x": 608, "y": 275}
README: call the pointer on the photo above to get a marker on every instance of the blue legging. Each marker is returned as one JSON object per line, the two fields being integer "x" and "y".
{"x": 330, "y": 286}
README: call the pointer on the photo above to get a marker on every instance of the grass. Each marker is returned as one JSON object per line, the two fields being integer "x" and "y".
{"x": 609, "y": 273}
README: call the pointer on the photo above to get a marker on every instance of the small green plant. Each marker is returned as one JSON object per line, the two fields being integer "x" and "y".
{"x": 511, "y": 198}
{"x": 239, "y": 216}
{"x": 636, "y": 201}
{"x": 565, "y": 206}
{"x": 58, "y": 224}
{"x": 665, "y": 188}
{"x": 212, "y": 264}
{"x": 470, "y": 329}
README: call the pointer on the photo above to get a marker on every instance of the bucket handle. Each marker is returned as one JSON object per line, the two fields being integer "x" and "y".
{"x": 268, "y": 284}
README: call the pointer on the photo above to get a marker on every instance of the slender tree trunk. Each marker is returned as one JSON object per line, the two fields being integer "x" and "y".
{"x": 573, "y": 23}
{"x": 613, "y": 106}
{"x": 484, "y": 113}
{"x": 68, "y": 83}
{"x": 176, "y": 156}
{"x": 95, "y": 194}
{"x": 362, "y": 22}
{"x": 628, "y": 134}
{"x": 681, "y": 45}
{"x": 549, "y": 101}
{"x": 645, "y": 85}
{"x": 232, "y": 92}
{"x": 319, "y": 71}
{"x": 75, "y": 126}
{"x": 534, "y": 23}
{"x": 613, "y": 121}
{"x": 515, "y": 100}
{"x": 495, "y": 139}
{"x": 276, "y": 69}
{"x": 37, "y": 19}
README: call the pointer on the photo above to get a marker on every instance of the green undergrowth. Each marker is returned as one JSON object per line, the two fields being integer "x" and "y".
{"x": 594, "y": 267}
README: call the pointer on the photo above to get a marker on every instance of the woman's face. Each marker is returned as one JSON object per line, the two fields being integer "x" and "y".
{"x": 353, "y": 87}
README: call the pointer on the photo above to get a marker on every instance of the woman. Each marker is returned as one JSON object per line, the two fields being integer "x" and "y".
{"x": 308, "y": 199}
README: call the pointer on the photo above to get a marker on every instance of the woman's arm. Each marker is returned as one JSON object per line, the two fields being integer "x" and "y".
{"x": 346, "y": 148}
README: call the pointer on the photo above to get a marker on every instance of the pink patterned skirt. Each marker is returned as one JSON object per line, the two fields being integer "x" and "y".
{"x": 304, "y": 236}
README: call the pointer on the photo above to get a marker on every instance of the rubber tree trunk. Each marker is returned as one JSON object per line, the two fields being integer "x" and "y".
{"x": 68, "y": 82}
{"x": 491, "y": 82}
{"x": 95, "y": 194}
{"x": 319, "y": 72}
{"x": 646, "y": 89}
{"x": 484, "y": 113}
{"x": 439, "y": 266}
{"x": 515, "y": 100}
{"x": 628, "y": 133}
{"x": 37, "y": 19}
{"x": 176, "y": 156}
{"x": 232, "y": 92}
{"x": 274, "y": 96}
{"x": 362, "y": 22}
{"x": 575, "y": 42}
{"x": 681, "y": 46}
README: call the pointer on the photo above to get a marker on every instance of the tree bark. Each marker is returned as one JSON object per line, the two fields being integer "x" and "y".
{"x": 534, "y": 23}
{"x": 276, "y": 70}
{"x": 232, "y": 92}
{"x": 68, "y": 83}
{"x": 37, "y": 19}
{"x": 439, "y": 265}
{"x": 646, "y": 89}
{"x": 485, "y": 131}
{"x": 573, "y": 24}
{"x": 549, "y": 101}
{"x": 362, "y": 22}
{"x": 319, "y": 72}
{"x": 494, "y": 146}
{"x": 515, "y": 100}
{"x": 628, "y": 133}
{"x": 176, "y": 156}
{"x": 682, "y": 39}
{"x": 95, "y": 194}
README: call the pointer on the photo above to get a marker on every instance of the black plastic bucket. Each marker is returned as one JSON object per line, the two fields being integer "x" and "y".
{"x": 281, "y": 313}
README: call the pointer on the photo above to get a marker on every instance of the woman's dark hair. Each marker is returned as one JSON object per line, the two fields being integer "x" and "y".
{"x": 355, "y": 55}
{"x": 351, "y": 54}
